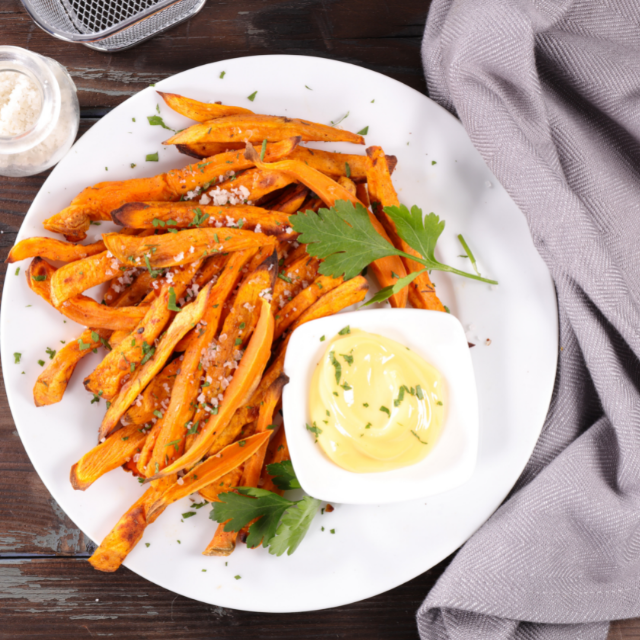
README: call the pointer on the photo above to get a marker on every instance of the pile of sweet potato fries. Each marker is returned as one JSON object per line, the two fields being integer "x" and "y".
{"x": 205, "y": 283}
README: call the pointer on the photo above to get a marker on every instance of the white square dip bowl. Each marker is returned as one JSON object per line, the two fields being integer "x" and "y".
{"x": 440, "y": 339}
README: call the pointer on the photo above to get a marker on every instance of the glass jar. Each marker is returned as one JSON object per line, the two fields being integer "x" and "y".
{"x": 54, "y": 129}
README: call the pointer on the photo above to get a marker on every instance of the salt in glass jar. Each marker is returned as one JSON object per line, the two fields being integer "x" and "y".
{"x": 39, "y": 112}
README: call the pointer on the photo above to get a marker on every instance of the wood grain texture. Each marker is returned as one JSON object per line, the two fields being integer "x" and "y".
{"x": 47, "y": 589}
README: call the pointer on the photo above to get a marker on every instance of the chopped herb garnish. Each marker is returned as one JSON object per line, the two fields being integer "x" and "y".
{"x": 322, "y": 338}
{"x": 41, "y": 363}
{"x": 263, "y": 150}
{"x": 347, "y": 358}
{"x": 306, "y": 87}
{"x": 172, "y": 300}
{"x": 400, "y": 398}
{"x": 363, "y": 132}
{"x": 383, "y": 408}
{"x": 238, "y": 577}
{"x": 39, "y": 278}
{"x": 17, "y": 270}
{"x": 152, "y": 157}
{"x": 417, "y": 436}
{"x": 365, "y": 404}
{"x": 222, "y": 74}
{"x": 193, "y": 429}
{"x": 133, "y": 165}
{"x": 339, "y": 120}
{"x": 419, "y": 392}
{"x": 344, "y": 331}
{"x": 188, "y": 514}
{"x": 16, "y": 357}
{"x": 199, "y": 218}
{"x": 285, "y": 278}
{"x": 158, "y": 121}
{"x": 439, "y": 403}
{"x": 252, "y": 97}
{"x": 469, "y": 253}
{"x": 157, "y": 414}
{"x": 347, "y": 169}
{"x": 316, "y": 430}
{"x": 50, "y": 352}
{"x": 83, "y": 345}
{"x": 336, "y": 365}
{"x": 346, "y": 386}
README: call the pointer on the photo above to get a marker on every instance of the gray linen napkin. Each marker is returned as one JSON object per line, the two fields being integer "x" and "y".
{"x": 549, "y": 92}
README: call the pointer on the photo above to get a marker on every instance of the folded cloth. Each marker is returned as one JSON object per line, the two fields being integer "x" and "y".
{"x": 549, "y": 92}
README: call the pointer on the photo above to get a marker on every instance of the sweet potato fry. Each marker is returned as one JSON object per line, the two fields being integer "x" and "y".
{"x": 348, "y": 184}
{"x": 74, "y": 278}
{"x": 112, "y": 453}
{"x": 362, "y": 193}
{"x": 222, "y": 357}
{"x": 253, "y": 466}
{"x": 211, "y": 269}
{"x": 335, "y": 164}
{"x": 343, "y": 296}
{"x": 81, "y": 309}
{"x": 245, "y": 380}
{"x": 255, "y": 184}
{"x": 52, "y": 249}
{"x": 422, "y": 293}
{"x": 226, "y": 483}
{"x": 207, "y": 149}
{"x": 120, "y": 364}
{"x": 210, "y": 470}
{"x": 131, "y": 294}
{"x": 292, "y": 279}
{"x": 176, "y": 419}
{"x": 278, "y": 451}
{"x": 53, "y": 381}
{"x": 128, "y": 531}
{"x": 242, "y": 424}
{"x": 256, "y": 128}
{"x": 152, "y": 398}
{"x": 199, "y": 111}
{"x": 291, "y": 199}
{"x": 146, "y": 452}
{"x": 174, "y": 249}
{"x": 386, "y": 270}
{"x": 97, "y": 202}
{"x": 179, "y": 215}
{"x": 183, "y": 322}
{"x": 301, "y": 302}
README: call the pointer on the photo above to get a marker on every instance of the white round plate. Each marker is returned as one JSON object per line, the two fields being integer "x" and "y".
{"x": 374, "y": 548}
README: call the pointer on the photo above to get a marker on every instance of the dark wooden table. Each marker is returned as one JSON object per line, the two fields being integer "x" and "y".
{"x": 47, "y": 589}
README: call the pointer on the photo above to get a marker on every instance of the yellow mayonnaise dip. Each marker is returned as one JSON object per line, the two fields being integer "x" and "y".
{"x": 375, "y": 405}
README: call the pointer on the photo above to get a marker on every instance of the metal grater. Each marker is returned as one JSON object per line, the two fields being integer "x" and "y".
{"x": 109, "y": 25}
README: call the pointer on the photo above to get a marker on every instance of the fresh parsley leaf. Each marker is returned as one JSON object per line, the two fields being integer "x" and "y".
{"x": 386, "y": 292}
{"x": 294, "y": 526}
{"x": 469, "y": 253}
{"x": 283, "y": 475}
{"x": 152, "y": 157}
{"x": 343, "y": 236}
{"x": 336, "y": 365}
{"x": 422, "y": 234}
{"x": 158, "y": 121}
{"x": 240, "y": 509}
{"x": 172, "y": 300}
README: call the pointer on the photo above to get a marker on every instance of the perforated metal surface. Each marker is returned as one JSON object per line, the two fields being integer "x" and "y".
{"x": 109, "y": 25}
